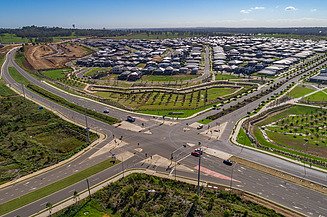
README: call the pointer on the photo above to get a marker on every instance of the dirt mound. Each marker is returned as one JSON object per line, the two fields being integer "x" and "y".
{"x": 53, "y": 55}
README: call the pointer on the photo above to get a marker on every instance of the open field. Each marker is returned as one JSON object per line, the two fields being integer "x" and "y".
{"x": 298, "y": 129}
{"x": 131, "y": 197}
{"x": 54, "y": 55}
{"x": 29, "y": 136}
{"x": 320, "y": 96}
{"x": 12, "y": 38}
{"x": 56, "y": 186}
{"x": 168, "y": 101}
{"x": 299, "y": 91}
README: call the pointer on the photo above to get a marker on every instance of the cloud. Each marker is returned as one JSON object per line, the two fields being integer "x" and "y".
{"x": 245, "y": 11}
{"x": 290, "y": 8}
{"x": 258, "y": 8}
{"x": 313, "y": 10}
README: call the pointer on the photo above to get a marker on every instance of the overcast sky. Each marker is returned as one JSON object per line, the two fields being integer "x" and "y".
{"x": 163, "y": 13}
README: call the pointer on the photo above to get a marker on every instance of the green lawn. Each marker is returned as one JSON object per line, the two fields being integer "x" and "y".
{"x": 57, "y": 74}
{"x": 12, "y": 38}
{"x": 130, "y": 196}
{"x": 243, "y": 139}
{"x": 167, "y": 78}
{"x": 299, "y": 91}
{"x": 95, "y": 70}
{"x": 29, "y": 136}
{"x": 220, "y": 76}
{"x": 54, "y": 187}
{"x": 320, "y": 96}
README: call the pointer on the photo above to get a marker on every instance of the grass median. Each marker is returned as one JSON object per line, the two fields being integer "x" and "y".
{"x": 21, "y": 79}
{"x": 54, "y": 187}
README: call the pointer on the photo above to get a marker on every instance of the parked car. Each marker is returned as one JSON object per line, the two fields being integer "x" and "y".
{"x": 106, "y": 111}
{"x": 228, "y": 162}
{"x": 200, "y": 127}
{"x": 130, "y": 119}
{"x": 197, "y": 152}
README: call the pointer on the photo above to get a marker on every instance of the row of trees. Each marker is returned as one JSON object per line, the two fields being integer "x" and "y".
{"x": 45, "y": 32}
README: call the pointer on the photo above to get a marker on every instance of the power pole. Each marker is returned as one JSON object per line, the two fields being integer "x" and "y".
{"x": 199, "y": 175}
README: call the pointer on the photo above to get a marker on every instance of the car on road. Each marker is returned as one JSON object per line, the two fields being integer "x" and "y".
{"x": 200, "y": 127}
{"x": 130, "y": 119}
{"x": 197, "y": 152}
{"x": 106, "y": 111}
{"x": 228, "y": 162}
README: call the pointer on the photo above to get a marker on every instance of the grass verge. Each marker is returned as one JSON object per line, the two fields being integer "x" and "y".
{"x": 243, "y": 139}
{"x": 54, "y": 187}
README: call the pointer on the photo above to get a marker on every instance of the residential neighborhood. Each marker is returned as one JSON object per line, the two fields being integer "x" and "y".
{"x": 246, "y": 55}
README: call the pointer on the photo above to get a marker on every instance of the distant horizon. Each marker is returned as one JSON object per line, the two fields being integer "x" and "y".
{"x": 150, "y": 28}
{"x": 140, "y": 14}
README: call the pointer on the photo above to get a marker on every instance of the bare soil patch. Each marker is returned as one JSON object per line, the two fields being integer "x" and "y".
{"x": 53, "y": 56}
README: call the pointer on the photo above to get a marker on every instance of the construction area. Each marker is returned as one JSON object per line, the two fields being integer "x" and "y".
{"x": 52, "y": 56}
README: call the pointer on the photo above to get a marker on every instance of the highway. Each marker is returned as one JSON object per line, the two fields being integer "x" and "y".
{"x": 163, "y": 140}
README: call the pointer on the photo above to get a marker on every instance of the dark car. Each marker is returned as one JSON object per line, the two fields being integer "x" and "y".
{"x": 130, "y": 119}
{"x": 228, "y": 162}
{"x": 197, "y": 152}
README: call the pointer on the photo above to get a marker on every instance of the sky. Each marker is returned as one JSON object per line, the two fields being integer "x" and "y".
{"x": 163, "y": 13}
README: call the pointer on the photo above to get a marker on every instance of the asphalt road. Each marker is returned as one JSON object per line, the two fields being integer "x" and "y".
{"x": 164, "y": 140}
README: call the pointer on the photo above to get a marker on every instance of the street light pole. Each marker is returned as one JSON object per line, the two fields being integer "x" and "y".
{"x": 88, "y": 186}
{"x": 199, "y": 175}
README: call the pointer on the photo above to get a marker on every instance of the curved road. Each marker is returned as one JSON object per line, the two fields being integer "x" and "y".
{"x": 164, "y": 140}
